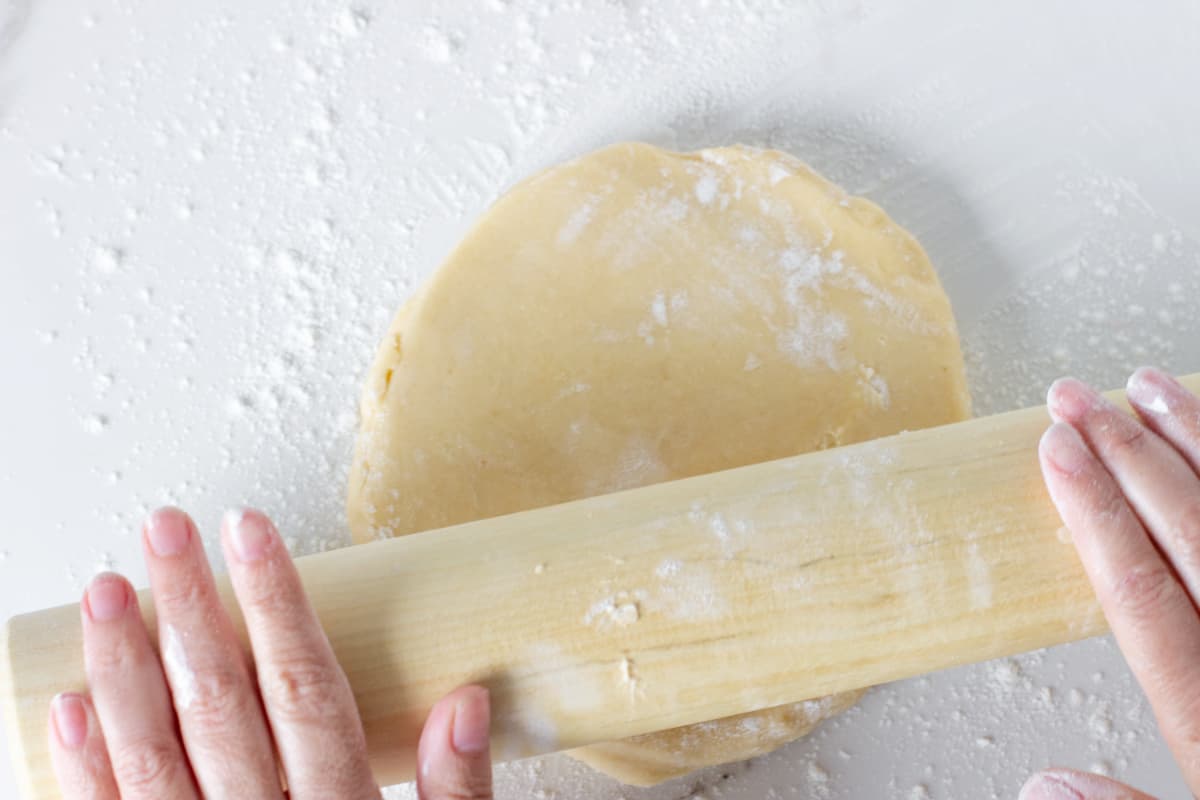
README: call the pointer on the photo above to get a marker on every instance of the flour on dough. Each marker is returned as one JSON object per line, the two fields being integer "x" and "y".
{"x": 638, "y": 316}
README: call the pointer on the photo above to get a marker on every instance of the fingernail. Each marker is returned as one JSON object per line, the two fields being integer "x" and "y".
{"x": 1046, "y": 786}
{"x": 1148, "y": 389}
{"x": 107, "y": 597}
{"x": 1065, "y": 449}
{"x": 472, "y": 720}
{"x": 168, "y": 531}
{"x": 1070, "y": 400}
{"x": 250, "y": 534}
{"x": 70, "y": 720}
{"x": 437, "y": 725}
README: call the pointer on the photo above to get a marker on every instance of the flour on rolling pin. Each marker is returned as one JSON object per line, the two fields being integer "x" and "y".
{"x": 184, "y": 689}
{"x": 890, "y": 594}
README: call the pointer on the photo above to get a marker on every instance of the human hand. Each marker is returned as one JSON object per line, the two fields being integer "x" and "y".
{"x": 203, "y": 721}
{"x": 1129, "y": 491}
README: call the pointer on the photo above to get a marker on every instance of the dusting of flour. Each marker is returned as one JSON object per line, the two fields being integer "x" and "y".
{"x": 222, "y": 222}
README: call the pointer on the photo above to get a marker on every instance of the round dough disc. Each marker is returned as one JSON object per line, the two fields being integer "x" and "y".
{"x": 637, "y": 316}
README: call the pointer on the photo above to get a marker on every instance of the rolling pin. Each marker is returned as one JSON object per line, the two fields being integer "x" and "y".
{"x": 674, "y": 603}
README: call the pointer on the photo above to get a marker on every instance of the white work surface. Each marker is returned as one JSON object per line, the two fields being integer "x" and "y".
{"x": 209, "y": 211}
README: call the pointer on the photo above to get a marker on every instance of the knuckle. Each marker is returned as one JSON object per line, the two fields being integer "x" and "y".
{"x": 217, "y": 696}
{"x": 1111, "y": 507}
{"x": 1188, "y": 521}
{"x": 97, "y": 768}
{"x": 1143, "y": 592}
{"x": 1185, "y": 537}
{"x": 116, "y": 656}
{"x": 474, "y": 787}
{"x": 304, "y": 689}
{"x": 183, "y": 594}
{"x": 147, "y": 768}
{"x": 1123, "y": 437}
{"x": 271, "y": 598}
{"x": 1180, "y": 726}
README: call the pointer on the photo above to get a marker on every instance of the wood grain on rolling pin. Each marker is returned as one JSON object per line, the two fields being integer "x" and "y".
{"x": 674, "y": 603}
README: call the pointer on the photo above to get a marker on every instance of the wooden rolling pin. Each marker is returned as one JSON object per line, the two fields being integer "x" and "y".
{"x": 674, "y": 603}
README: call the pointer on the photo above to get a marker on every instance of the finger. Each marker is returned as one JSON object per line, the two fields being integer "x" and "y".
{"x": 309, "y": 704}
{"x": 1067, "y": 784}
{"x": 130, "y": 695}
{"x": 454, "y": 753}
{"x": 78, "y": 752}
{"x": 1147, "y": 608}
{"x": 1169, "y": 409}
{"x": 1160, "y": 486}
{"x": 216, "y": 700}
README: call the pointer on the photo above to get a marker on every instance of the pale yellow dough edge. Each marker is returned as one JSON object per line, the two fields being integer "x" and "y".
{"x": 637, "y": 316}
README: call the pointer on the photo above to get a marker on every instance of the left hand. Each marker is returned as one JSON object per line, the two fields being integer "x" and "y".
{"x": 203, "y": 721}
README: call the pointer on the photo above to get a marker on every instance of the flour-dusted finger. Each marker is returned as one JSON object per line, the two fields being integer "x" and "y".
{"x": 78, "y": 751}
{"x": 1150, "y": 612}
{"x": 454, "y": 757}
{"x": 130, "y": 696}
{"x": 215, "y": 695}
{"x": 1169, "y": 409}
{"x": 308, "y": 700}
{"x": 1160, "y": 486}
{"x": 1067, "y": 784}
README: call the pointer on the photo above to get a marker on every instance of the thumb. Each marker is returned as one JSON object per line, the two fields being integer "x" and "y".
{"x": 1067, "y": 784}
{"x": 454, "y": 755}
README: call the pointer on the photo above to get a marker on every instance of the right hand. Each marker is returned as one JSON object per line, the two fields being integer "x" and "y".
{"x": 1129, "y": 491}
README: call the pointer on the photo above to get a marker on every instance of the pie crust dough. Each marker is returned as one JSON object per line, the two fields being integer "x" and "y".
{"x": 637, "y": 316}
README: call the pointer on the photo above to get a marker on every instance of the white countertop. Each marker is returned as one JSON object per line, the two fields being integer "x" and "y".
{"x": 208, "y": 212}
